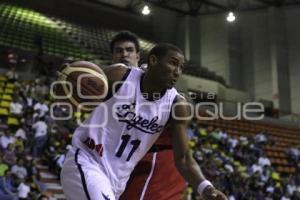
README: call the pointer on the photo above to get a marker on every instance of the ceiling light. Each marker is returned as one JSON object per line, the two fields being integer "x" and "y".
{"x": 230, "y": 17}
{"x": 146, "y": 10}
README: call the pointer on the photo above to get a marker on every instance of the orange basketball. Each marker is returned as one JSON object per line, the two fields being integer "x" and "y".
{"x": 82, "y": 84}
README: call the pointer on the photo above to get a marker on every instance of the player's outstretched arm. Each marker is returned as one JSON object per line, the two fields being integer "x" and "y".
{"x": 184, "y": 160}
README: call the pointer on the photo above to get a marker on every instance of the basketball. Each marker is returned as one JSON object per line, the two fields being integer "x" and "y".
{"x": 82, "y": 84}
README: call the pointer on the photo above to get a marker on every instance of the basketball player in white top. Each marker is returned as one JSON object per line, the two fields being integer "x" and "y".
{"x": 120, "y": 131}
{"x": 148, "y": 180}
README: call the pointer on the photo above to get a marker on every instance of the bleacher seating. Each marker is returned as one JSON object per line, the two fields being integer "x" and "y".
{"x": 203, "y": 72}
{"x": 26, "y": 29}
{"x": 283, "y": 136}
{"x": 32, "y": 31}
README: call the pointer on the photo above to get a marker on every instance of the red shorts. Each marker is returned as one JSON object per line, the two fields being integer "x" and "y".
{"x": 155, "y": 178}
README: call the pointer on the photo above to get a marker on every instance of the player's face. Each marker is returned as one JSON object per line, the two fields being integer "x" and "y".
{"x": 169, "y": 69}
{"x": 125, "y": 52}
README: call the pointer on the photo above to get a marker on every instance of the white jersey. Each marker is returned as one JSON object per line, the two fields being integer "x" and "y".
{"x": 130, "y": 124}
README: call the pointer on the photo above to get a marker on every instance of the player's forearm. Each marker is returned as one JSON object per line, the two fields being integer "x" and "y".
{"x": 190, "y": 170}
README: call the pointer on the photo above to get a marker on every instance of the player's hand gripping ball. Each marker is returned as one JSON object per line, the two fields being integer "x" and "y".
{"x": 82, "y": 84}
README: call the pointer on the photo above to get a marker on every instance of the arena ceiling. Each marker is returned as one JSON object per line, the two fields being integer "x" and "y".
{"x": 199, "y": 7}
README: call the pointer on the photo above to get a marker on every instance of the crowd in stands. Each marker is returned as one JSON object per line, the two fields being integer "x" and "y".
{"x": 27, "y": 137}
{"x": 238, "y": 166}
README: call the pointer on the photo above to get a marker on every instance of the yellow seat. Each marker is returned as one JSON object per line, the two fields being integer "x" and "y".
{"x": 7, "y": 97}
{"x": 1, "y": 90}
{"x": 3, "y": 78}
{"x": 8, "y": 91}
{"x": 10, "y": 86}
{"x": 5, "y": 104}
{"x": 2, "y": 84}
{"x": 13, "y": 121}
{"x": 3, "y": 111}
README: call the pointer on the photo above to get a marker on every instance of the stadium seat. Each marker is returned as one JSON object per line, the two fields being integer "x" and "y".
{"x": 3, "y": 78}
{"x": 10, "y": 86}
{"x": 5, "y": 104}
{"x": 7, "y": 97}
{"x": 13, "y": 121}
{"x": 4, "y": 112}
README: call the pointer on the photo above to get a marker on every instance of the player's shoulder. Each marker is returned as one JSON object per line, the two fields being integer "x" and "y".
{"x": 178, "y": 97}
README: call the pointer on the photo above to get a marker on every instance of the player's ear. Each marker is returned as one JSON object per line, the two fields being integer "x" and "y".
{"x": 138, "y": 56}
{"x": 152, "y": 60}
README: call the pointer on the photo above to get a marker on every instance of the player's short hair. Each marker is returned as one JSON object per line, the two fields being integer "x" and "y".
{"x": 161, "y": 49}
{"x": 123, "y": 36}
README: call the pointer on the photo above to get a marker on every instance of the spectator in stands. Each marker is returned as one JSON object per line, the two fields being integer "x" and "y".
{"x": 243, "y": 140}
{"x": 9, "y": 155}
{"x": 15, "y": 108}
{"x": 21, "y": 132}
{"x": 255, "y": 148}
{"x": 3, "y": 167}
{"x": 19, "y": 170}
{"x": 264, "y": 161}
{"x": 256, "y": 168}
{"x": 23, "y": 189}
{"x": 232, "y": 144}
{"x": 28, "y": 102}
{"x": 222, "y": 134}
{"x": 41, "y": 90}
{"x": 41, "y": 187}
{"x": 191, "y": 131}
{"x": 40, "y": 109}
{"x": 229, "y": 168}
{"x": 19, "y": 143}
{"x": 261, "y": 138}
{"x": 215, "y": 134}
{"x": 29, "y": 89}
{"x": 40, "y": 137}
{"x": 6, "y": 139}
{"x": 293, "y": 154}
{"x": 290, "y": 185}
{"x": 12, "y": 75}
{"x": 286, "y": 196}
{"x": 265, "y": 176}
{"x": 12, "y": 57}
{"x": 28, "y": 122}
{"x": 7, "y": 190}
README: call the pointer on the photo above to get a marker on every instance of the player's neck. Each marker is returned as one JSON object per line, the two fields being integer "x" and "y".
{"x": 149, "y": 86}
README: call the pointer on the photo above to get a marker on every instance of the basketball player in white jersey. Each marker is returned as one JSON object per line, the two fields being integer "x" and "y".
{"x": 148, "y": 180}
{"x": 120, "y": 131}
